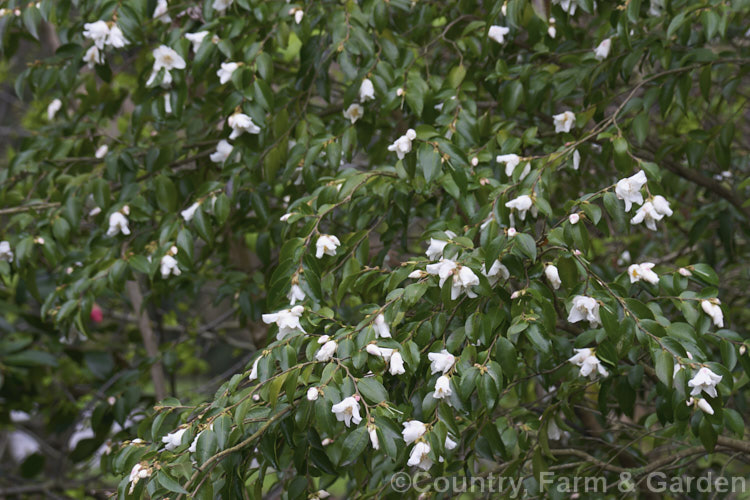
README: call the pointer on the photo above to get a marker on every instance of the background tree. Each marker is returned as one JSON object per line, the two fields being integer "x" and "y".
{"x": 258, "y": 248}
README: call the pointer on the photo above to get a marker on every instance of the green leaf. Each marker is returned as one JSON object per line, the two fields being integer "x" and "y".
{"x": 170, "y": 483}
{"x": 354, "y": 444}
{"x": 372, "y": 390}
{"x": 166, "y": 194}
{"x": 664, "y": 363}
{"x": 527, "y": 245}
{"x": 429, "y": 162}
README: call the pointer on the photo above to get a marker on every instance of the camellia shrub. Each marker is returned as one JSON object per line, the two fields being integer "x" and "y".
{"x": 260, "y": 248}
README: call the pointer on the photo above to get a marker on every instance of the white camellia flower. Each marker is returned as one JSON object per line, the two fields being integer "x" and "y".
{"x": 661, "y": 205}
{"x": 287, "y": 320}
{"x": 441, "y": 361}
{"x": 652, "y": 211}
{"x": 553, "y": 431}
{"x": 704, "y": 405}
{"x": 167, "y": 59}
{"x": 381, "y": 352}
{"x": 241, "y": 123}
{"x": 601, "y": 52}
{"x": 97, "y": 32}
{"x": 553, "y": 276}
{"x": 222, "y": 5}
{"x": 381, "y": 327}
{"x": 6, "y": 253}
{"x": 402, "y": 146}
{"x": 463, "y": 281}
{"x": 568, "y": 6}
{"x": 420, "y": 456}
{"x": 101, "y": 151}
{"x": 373, "y": 433}
{"x": 511, "y": 161}
{"x": 168, "y": 266}
{"x": 296, "y": 294}
{"x": 576, "y": 160}
{"x": 189, "y": 212}
{"x": 585, "y": 308}
{"x": 173, "y": 439}
{"x": 574, "y": 218}
{"x": 326, "y": 352}
{"x": 643, "y": 271}
{"x": 435, "y": 250}
{"x": 655, "y": 9}
{"x": 53, "y": 108}
{"x": 137, "y": 473}
{"x": 450, "y": 444}
{"x": 323, "y": 339}
{"x": 413, "y": 430}
{"x": 347, "y": 411}
{"x": 320, "y": 494}
{"x": 523, "y": 204}
{"x": 254, "y": 371}
{"x": 497, "y": 33}
{"x": 116, "y": 38}
{"x": 564, "y": 121}
{"x": 366, "y": 91}
{"x": 551, "y": 29}
{"x": 396, "y": 364}
{"x": 223, "y": 150}
{"x": 226, "y": 71}
{"x": 497, "y": 272}
{"x": 629, "y": 189}
{"x": 118, "y": 223}
{"x": 326, "y": 245}
{"x": 313, "y": 393}
{"x": 196, "y": 39}
{"x": 705, "y": 380}
{"x": 298, "y": 14}
{"x": 684, "y": 271}
{"x": 161, "y": 12}
{"x": 354, "y": 112}
{"x": 93, "y": 56}
{"x": 511, "y": 232}
{"x": 712, "y": 307}
{"x": 589, "y": 363}
{"x": 442, "y": 388}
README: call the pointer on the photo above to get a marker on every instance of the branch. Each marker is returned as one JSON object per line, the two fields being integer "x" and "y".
{"x": 149, "y": 340}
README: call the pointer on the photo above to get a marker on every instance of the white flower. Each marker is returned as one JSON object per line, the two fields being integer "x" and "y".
{"x": 323, "y": 339}
{"x": 6, "y": 253}
{"x": 551, "y": 29}
{"x": 295, "y": 294}
{"x": 441, "y": 361}
{"x": 496, "y": 273}
{"x": 463, "y": 279}
{"x": 511, "y": 162}
{"x": 93, "y": 56}
{"x": 225, "y": 73}
{"x": 629, "y": 189}
{"x": 553, "y": 431}
{"x": 589, "y": 363}
{"x": 712, "y": 308}
{"x": 169, "y": 266}
{"x": 511, "y": 232}
{"x": 167, "y": 59}
{"x": 523, "y": 203}
{"x": 287, "y": 320}
{"x": 702, "y": 404}
{"x": 189, "y": 212}
{"x": 161, "y": 12}
{"x": 413, "y": 430}
{"x": 381, "y": 327}
{"x": 326, "y": 352}
{"x": 223, "y": 150}
{"x": 704, "y": 380}
{"x": 402, "y": 146}
{"x": 313, "y": 393}
{"x": 498, "y": 33}
{"x": 320, "y": 494}
{"x": 116, "y": 38}
{"x": 574, "y": 218}
{"x": 442, "y": 388}
{"x": 97, "y": 32}
{"x": 602, "y": 50}
{"x": 167, "y": 104}
{"x": 684, "y": 271}
{"x": 450, "y": 444}
{"x": 643, "y": 272}
{"x": 624, "y": 258}
{"x": 101, "y": 151}
{"x": 298, "y": 14}
{"x": 254, "y": 371}
{"x": 137, "y": 473}
{"x": 53, "y": 108}
{"x": 194, "y": 445}
{"x": 396, "y": 364}
{"x": 173, "y": 439}
{"x": 326, "y": 245}
{"x": 568, "y": 6}
{"x": 354, "y": 112}
{"x": 240, "y": 123}
{"x": 382, "y": 352}
{"x": 222, "y": 5}
{"x": 417, "y": 274}
{"x": 564, "y": 121}
{"x": 118, "y": 223}
{"x": 347, "y": 411}
{"x": 652, "y": 211}
{"x": 585, "y": 308}
{"x": 366, "y": 90}
{"x": 553, "y": 276}
{"x": 373, "y": 432}
{"x": 420, "y": 456}
{"x": 656, "y": 7}
{"x": 196, "y": 39}
{"x": 435, "y": 250}
{"x": 576, "y": 160}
